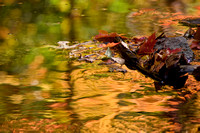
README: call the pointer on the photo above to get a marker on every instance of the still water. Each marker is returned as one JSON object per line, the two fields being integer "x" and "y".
{"x": 43, "y": 90}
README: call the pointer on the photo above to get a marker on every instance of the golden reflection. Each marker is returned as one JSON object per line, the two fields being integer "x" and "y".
{"x": 65, "y": 26}
{"x": 35, "y": 71}
{"x": 15, "y": 14}
{"x": 4, "y": 33}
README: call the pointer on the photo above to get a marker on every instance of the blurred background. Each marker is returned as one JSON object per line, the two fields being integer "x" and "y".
{"x": 34, "y": 81}
{"x": 27, "y": 24}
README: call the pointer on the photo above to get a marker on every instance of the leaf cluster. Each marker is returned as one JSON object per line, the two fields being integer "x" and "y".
{"x": 164, "y": 59}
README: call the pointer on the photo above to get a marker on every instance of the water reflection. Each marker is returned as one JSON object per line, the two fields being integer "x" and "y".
{"x": 42, "y": 90}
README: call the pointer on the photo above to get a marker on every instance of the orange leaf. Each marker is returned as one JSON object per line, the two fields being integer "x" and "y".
{"x": 148, "y": 46}
{"x": 112, "y": 44}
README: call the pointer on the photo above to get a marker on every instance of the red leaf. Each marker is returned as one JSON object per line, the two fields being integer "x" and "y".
{"x": 173, "y": 51}
{"x": 148, "y": 46}
{"x": 104, "y": 36}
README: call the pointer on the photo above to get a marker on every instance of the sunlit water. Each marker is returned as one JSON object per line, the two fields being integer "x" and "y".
{"x": 43, "y": 90}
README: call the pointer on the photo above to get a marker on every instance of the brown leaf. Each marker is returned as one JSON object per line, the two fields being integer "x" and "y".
{"x": 104, "y": 36}
{"x": 158, "y": 63}
{"x": 172, "y": 60}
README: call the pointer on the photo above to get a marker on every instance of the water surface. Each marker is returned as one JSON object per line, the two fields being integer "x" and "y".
{"x": 43, "y": 90}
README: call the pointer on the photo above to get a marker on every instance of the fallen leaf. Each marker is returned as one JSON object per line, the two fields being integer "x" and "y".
{"x": 173, "y": 51}
{"x": 103, "y": 36}
{"x": 112, "y": 44}
{"x": 148, "y": 47}
{"x": 172, "y": 60}
{"x": 158, "y": 63}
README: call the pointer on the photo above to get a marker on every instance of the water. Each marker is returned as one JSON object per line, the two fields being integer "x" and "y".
{"x": 43, "y": 90}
